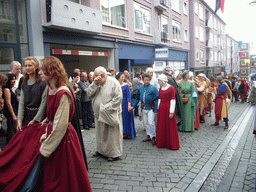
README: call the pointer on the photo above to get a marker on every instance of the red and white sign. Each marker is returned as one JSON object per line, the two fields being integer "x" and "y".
{"x": 75, "y": 52}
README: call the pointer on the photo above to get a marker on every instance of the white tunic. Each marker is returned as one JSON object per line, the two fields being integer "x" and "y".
{"x": 108, "y": 100}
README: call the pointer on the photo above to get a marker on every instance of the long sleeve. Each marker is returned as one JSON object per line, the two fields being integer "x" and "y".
{"x": 117, "y": 98}
{"x": 156, "y": 95}
{"x": 172, "y": 105}
{"x": 92, "y": 90}
{"x": 200, "y": 89}
{"x": 21, "y": 106}
{"x": 137, "y": 99}
{"x": 60, "y": 125}
{"x": 42, "y": 108}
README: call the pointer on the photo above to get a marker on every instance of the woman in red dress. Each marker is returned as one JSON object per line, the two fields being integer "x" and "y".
{"x": 167, "y": 131}
{"x": 53, "y": 148}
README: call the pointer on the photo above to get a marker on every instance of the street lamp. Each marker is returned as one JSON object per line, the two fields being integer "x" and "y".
{"x": 253, "y": 3}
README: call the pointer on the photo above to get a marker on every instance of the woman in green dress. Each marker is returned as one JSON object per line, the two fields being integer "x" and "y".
{"x": 188, "y": 95}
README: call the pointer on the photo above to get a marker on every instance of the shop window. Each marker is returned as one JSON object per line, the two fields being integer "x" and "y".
{"x": 176, "y": 5}
{"x": 142, "y": 18}
{"x": 114, "y": 12}
{"x": 176, "y": 31}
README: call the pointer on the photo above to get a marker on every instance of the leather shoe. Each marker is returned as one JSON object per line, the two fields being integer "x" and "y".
{"x": 113, "y": 159}
{"x": 153, "y": 141}
{"x": 215, "y": 124}
{"x": 96, "y": 154}
{"x": 226, "y": 127}
{"x": 147, "y": 139}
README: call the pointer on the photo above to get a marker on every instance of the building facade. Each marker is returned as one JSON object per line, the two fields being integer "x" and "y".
{"x": 207, "y": 47}
{"x": 245, "y": 66}
{"x": 233, "y": 61}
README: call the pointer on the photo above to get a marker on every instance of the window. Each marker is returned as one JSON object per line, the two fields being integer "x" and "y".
{"x": 201, "y": 12}
{"x": 113, "y": 12}
{"x": 243, "y": 71}
{"x": 196, "y": 8}
{"x": 196, "y": 31}
{"x": 164, "y": 28}
{"x": 244, "y": 46}
{"x": 211, "y": 56}
{"x": 142, "y": 18}
{"x": 176, "y": 31}
{"x": 185, "y": 35}
{"x": 201, "y": 56}
{"x": 201, "y": 34}
{"x": 197, "y": 55}
{"x": 244, "y": 55}
{"x": 185, "y": 7}
{"x": 176, "y": 5}
{"x": 215, "y": 56}
{"x": 243, "y": 62}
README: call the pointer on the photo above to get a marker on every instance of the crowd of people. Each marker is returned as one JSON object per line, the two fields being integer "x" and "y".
{"x": 43, "y": 109}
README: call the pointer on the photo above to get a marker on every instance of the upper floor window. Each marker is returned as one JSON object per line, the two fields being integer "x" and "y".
{"x": 185, "y": 7}
{"x": 196, "y": 8}
{"x": 244, "y": 46}
{"x": 114, "y": 12}
{"x": 142, "y": 18}
{"x": 185, "y": 35}
{"x": 202, "y": 56}
{"x": 214, "y": 23}
{"x": 244, "y": 55}
{"x": 164, "y": 24}
{"x": 201, "y": 33}
{"x": 201, "y": 12}
{"x": 176, "y": 31}
{"x": 196, "y": 31}
{"x": 176, "y": 5}
{"x": 197, "y": 55}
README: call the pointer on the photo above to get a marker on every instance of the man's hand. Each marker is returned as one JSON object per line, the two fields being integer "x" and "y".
{"x": 97, "y": 80}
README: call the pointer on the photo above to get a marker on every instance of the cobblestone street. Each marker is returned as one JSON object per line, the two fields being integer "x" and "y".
{"x": 193, "y": 167}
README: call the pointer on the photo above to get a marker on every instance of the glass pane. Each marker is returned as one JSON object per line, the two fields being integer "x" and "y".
{"x": 118, "y": 17}
{"x": 22, "y": 21}
{"x": 7, "y": 21}
{"x": 24, "y": 50}
{"x": 6, "y": 57}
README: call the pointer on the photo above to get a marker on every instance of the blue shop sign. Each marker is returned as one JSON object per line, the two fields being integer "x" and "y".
{"x": 161, "y": 52}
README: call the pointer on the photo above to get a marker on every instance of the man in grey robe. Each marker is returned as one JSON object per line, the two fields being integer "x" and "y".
{"x": 106, "y": 95}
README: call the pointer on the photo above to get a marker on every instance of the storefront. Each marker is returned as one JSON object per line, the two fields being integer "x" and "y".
{"x": 135, "y": 57}
{"x": 175, "y": 59}
{"x": 81, "y": 51}
{"x": 13, "y": 33}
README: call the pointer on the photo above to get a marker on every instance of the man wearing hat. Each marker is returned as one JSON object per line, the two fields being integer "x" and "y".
{"x": 220, "y": 103}
{"x": 202, "y": 99}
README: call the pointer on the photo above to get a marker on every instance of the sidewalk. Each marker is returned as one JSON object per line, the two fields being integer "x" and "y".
{"x": 145, "y": 168}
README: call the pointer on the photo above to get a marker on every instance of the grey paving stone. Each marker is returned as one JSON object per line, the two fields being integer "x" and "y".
{"x": 111, "y": 187}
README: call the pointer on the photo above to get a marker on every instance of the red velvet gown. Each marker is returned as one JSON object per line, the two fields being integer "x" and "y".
{"x": 63, "y": 171}
{"x": 167, "y": 132}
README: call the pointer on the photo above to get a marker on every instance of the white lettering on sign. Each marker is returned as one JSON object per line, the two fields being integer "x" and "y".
{"x": 161, "y": 52}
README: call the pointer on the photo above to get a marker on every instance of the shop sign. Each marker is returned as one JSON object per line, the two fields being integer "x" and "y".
{"x": 161, "y": 52}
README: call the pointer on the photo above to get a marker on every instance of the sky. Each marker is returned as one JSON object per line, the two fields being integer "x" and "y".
{"x": 240, "y": 18}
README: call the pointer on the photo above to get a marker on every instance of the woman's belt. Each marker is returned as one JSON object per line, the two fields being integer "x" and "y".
{"x": 51, "y": 123}
{"x": 32, "y": 109}
{"x": 186, "y": 93}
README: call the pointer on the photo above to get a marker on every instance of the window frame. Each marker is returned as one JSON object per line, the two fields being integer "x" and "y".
{"x": 174, "y": 5}
{"x": 110, "y": 15}
{"x": 144, "y": 9}
{"x": 176, "y": 24}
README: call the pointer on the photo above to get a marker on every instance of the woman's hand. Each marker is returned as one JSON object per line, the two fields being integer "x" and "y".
{"x": 31, "y": 122}
{"x": 19, "y": 125}
{"x": 171, "y": 115}
{"x": 129, "y": 109}
{"x": 45, "y": 120}
{"x": 14, "y": 118}
{"x": 156, "y": 114}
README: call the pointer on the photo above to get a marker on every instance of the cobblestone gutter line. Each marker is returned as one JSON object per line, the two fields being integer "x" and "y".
{"x": 231, "y": 142}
